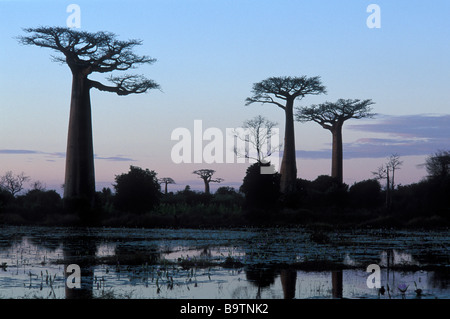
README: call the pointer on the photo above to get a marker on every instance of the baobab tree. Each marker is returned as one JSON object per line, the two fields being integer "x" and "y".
{"x": 86, "y": 53}
{"x": 282, "y": 92}
{"x": 331, "y": 116}
{"x": 166, "y": 181}
{"x": 206, "y": 175}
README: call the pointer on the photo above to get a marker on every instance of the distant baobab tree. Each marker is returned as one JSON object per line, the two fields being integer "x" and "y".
{"x": 86, "y": 53}
{"x": 206, "y": 175}
{"x": 282, "y": 92}
{"x": 331, "y": 116}
{"x": 166, "y": 181}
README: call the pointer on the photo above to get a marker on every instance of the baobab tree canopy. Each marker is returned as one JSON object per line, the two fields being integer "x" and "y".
{"x": 86, "y": 53}
{"x": 332, "y": 113}
{"x": 285, "y": 88}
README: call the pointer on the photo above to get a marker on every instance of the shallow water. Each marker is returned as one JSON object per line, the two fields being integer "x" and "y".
{"x": 238, "y": 263}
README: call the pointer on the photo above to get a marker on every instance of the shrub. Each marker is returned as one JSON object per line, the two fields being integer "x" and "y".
{"x": 137, "y": 191}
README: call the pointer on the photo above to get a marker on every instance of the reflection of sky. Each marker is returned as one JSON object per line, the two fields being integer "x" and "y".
{"x": 209, "y": 53}
{"x": 33, "y": 255}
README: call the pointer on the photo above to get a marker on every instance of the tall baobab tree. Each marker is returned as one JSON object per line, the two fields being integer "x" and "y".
{"x": 282, "y": 92}
{"x": 206, "y": 175}
{"x": 166, "y": 181}
{"x": 331, "y": 116}
{"x": 86, "y": 53}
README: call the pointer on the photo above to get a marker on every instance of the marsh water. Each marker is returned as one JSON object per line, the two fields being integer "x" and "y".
{"x": 230, "y": 263}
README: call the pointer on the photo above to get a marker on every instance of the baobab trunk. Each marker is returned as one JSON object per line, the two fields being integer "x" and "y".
{"x": 79, "y": 176}
{"x": 288, "y": 169}
{"x": 337, "y": 170}
{"x": 206, "y": 186}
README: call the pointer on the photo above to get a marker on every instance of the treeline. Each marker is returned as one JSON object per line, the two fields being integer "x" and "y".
{"x": 137, "y": 201}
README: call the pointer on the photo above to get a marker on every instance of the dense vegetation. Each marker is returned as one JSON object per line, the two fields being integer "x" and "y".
{"x": 137, "y": 201}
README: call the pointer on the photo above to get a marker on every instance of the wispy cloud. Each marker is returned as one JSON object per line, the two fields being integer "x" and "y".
{"x": 117, "y": 158}
{"x": 406, "y": 135}
{"x": 427, "y": 126}
{"x": 51, "y": 156}
{"x": 20, "y": 152}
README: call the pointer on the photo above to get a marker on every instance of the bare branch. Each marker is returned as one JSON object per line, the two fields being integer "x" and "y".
{"x": 13, "y": 184}
{"x": 127, "y": 84}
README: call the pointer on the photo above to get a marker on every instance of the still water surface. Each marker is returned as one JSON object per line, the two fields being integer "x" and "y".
{"x": 239, "y": 263}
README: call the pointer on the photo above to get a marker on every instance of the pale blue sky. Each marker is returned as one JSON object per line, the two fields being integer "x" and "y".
{"x": 209, "y": 53}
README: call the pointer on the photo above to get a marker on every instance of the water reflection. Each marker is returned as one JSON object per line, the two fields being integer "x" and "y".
{"x": 337, "y": 283}
{"x": 261, "y": 277}
{"x": 288, "y": 280}
{"x": 80, "y": 250}
{"x": 151, "y": 267}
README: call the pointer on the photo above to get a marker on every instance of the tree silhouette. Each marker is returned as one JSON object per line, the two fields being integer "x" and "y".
{"x": 166, "y": 180}
{"x": 438, "y": 164}
{"x": 282, "y": 92}
{"x": 384, "y": 172}
{"x": 258, "y": 133}
{"x": 331, "y": 116}
{"x": 86, "y": 53}
{"x": 206, "y": 175}
{"x": 261, "y": 191}
{"x": 394, "y": 164}
{"x": 13, "y": 183}
{"x": 137, "y": 191}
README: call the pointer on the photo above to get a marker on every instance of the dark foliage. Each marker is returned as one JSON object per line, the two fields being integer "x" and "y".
{"x": 137, "y": 191}
{"x": 366, "y": 194}
{"x": 262, "y": 191}
{"x": 323, "y": 202}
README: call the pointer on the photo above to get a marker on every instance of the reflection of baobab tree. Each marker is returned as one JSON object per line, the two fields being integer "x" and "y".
{"x": 337, "y": 284}
{"x": 81, "y": 251}
{"x": 260, "y": 276}
{"x": 288, "y": 279}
